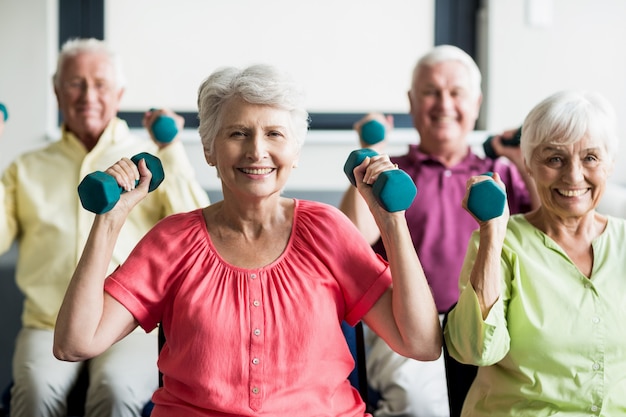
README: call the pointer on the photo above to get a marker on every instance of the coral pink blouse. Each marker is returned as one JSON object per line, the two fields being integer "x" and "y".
{"x": 253, "y": 342}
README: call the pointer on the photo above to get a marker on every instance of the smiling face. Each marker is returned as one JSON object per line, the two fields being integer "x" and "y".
{"x": 444, "y": 106}
{"x": 571, "y": 179}
{"x": 254, "y": 150}
{"x": 88, "y": 95}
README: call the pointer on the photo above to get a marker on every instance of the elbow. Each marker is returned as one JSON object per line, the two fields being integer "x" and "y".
{"x": 426, "y": 351}
{"x": 68, "y": 353}
{"x": 64, "y": 355}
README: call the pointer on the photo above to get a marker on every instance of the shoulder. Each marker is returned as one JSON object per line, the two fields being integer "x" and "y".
{"x": 322, "y": 219}
{"x": 616, "y": 226}
{"x": 179, "y": 226}
{"x": 316, "y": 210}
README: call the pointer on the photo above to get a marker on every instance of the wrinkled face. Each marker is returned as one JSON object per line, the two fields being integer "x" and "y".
{"x": 571, "y": 179}
{"x": 443, "y": 106}
{"x": 255, "y": 149}
{"x": 87, "y": 94}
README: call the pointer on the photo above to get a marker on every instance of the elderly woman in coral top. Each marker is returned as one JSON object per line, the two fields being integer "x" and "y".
{"x": 251, "y": 290}
{"x": 542, "y": 304}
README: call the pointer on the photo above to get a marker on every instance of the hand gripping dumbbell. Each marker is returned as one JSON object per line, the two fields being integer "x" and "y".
{"x": 394, "y": 189}
{"x": 99, "y": 191}
{"x": 4, "y": 111}
{"x": 514, "y": 141}
{"x": 486, "y": 199}
{"x": 372, "y": 132}
{"x": 164, "y": 128}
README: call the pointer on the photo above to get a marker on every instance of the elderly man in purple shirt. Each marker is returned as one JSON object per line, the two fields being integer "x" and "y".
{"x": 445, "y": 98}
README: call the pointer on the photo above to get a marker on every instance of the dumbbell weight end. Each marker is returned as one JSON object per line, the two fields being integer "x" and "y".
{"x": 4, "y": 111}
{"x": 372, "y": 132}
{"x": 486, "y": 200}
{"x": 164, "y": 128}
{"x": 514, "y": 141}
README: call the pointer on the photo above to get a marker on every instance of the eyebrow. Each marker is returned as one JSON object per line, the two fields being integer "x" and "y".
{"x": 561, "y": 148}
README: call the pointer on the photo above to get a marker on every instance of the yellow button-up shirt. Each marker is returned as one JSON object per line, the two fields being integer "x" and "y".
{"x": 42, "y": 210}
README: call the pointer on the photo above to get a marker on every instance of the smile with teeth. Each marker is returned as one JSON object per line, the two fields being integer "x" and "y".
{"x": 256, "y": 171}
{"x": 573, "y": 193}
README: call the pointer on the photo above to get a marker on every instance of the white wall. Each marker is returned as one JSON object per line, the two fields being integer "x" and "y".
{"x": 581, "y": 46}
{"x": 345, "y": 53}
{"x": 28, "y": 39}
{"x": 569, "y": 44}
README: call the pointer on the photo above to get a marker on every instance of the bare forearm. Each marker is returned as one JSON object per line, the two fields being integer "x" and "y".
{"x": 82, "y": 309}
{"x": 413, "y": 307}
{"x": 356, "y": 209}
{"x": 486, "y": 273}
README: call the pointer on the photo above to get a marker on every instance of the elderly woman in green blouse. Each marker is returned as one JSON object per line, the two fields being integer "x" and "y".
{"x": 543, "y": 295}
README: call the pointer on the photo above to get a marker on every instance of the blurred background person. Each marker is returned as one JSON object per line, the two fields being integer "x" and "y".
{"x": 445, "y": 98}
{"x": 42, "y": 212}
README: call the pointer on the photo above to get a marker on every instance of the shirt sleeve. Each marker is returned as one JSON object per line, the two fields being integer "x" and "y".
{"x": 180, "y": 191}
{"x": 8, "y": 221}
{"x": 362, "y": 275}
{"x": 470, "y": 339}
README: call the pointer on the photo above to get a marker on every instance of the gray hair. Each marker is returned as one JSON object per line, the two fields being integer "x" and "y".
{"x": 447, "y": 53}
{"x": 256, "y": 84}
{"x": 77, "y": 46}
{"x": 566, "y": 117}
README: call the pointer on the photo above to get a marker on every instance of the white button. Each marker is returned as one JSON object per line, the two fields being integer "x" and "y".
{"x": 255, "y": 361}
{"x": 256, "y": 303}
{"x": 447, "y": 173}
{"x": 596, "y": 320}
{"x": 594, "y": 408}
{"x": 596, "y": 366}
{"x": 587, "y": 285}
{"x": 255, "y": 390}
{"x": 253, "y": 276}
{"x": 257, "y": 332}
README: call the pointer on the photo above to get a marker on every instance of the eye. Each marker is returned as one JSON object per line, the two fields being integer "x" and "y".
{"x": 237, "y": 134}
{"x": 554, "y": 161}
{"x": 457, "y": 93}
{"x": 591, "y": 160}
{"x": 101, "y": 85}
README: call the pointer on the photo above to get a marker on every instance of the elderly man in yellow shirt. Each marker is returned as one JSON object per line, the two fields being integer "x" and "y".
{"x": 42, "y": 211}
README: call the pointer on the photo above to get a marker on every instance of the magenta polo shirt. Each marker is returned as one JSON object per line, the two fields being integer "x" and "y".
{"x": 253, "y": 342}
{"x": 440, "y": 226}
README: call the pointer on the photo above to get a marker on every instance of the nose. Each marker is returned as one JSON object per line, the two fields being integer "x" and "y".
{"x": 256, "y": 147}
{"x": 89, "y": 91}
{"x": 573, "y": 173}
{"x": 445, "y": 99}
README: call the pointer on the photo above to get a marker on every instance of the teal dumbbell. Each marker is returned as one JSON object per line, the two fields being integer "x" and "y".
{"x": 164, "y": 128}
{"x": 4, "y": 111}
{"x": 99, "y": 192}
{"x": 486, "y": 199}
{"x": 514, "y": 141}
{"x": 372, "y": 132}
{"x": 394, "y": 190}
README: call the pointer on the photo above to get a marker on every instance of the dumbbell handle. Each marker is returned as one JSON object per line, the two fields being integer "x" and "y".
{"x": 486, "y": 199}
{"x": 394, "y": 190}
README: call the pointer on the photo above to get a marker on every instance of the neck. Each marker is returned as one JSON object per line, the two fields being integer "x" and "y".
{"x": 448, "y": 155}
